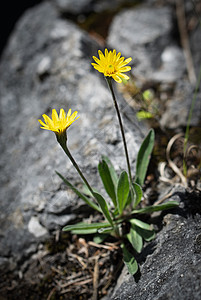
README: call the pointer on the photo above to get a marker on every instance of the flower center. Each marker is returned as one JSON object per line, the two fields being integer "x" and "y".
{"x": 110, "y": 70}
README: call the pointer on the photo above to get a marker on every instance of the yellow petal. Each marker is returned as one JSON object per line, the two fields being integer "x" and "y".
{"x": 124, "y": 76}
{"x": 101, "y": 56}
{"x": 74, "y": 115}
{"x": 98, "y": 68}
{"x": 62, "y": 114}
{"x": 118, "y": 55}
{"x": 125, "y": 69}
{"x": 41, "y": 122}
{"x": 55, "y": 117}
{"x": 96, "y": 59}
{"x": 125, "y": 62}
{"x": 106, "y": 52}
{"x": 47, "y": 120}
{"x": 69, "y": 113}
{"x": 109, "y": 57}
{"x": 117, "y": 78}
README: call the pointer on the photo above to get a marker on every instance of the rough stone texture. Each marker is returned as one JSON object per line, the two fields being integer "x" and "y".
{"x": 73, "y": 6}
{"x": 172, "y": 267}
{"x": 77, "y": 7}
{"x": 172, "y": 65}
{"x": 47, "y": 65}
{"x": 195, "y": 47}
{"x": 177, "y": 110}
{"x": 35, "y": 227}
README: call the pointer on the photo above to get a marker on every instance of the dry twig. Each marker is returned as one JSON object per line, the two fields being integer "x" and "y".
{"x": 171, "y": 163}
{"x": 95, "y": 280}
{"x": 180, "y": 11}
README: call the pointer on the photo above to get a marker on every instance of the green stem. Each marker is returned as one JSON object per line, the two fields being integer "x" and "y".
{"x": 189, "y": 118}
{"x": 65, "y": 148}
{"x": 109, "y": 81}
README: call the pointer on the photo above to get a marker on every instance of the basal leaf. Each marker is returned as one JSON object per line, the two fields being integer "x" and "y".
{"x": 152, "y": 208}
{"x": 135, "y": 239}
{"x": 143, "y": 229}
{"x": 138, "y": 193}
{"x": 130, "y": 198}
{"x": 80, "y": 194}
{"x": 122, "y": 191}
{"x": 85, "y": 226}
{"x": 143, "y": 157}
{"x": 85, "y": 190}
{"x": 140, "y": 224}
{"x": 107, "y": 181}
{"x": 99, "y": 238}
{"x": 84, "y": 231}
{"x": 103, "y": 205}
{"x": 105, "y": 230}
{"x": 112, "y": 170}
{"x": 129, "y": 260}
{"x": 147, "y": 235}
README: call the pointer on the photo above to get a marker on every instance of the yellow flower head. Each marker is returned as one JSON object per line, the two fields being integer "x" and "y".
{"x": 112, "y": 65}
{"x": 60, "y": 123}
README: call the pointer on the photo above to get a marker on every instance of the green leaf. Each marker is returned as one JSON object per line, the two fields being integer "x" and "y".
{"x": 107, "y": 180}
{"x": 85, "y": 190}
{"x": 160, "y": 207}
{"x": 143, "y": 157}
{"x": 115, "y": 213}
{"x": 147, "y": 235}
{"x": 129, "y": 260}
{"x": 130, "y": 197}
{"x": 135, "y": 239}
{"x": 84, "y": 231}
{"x": 143, "y": 229}
{"x": 140, "y": 224}
{"x": 105, "y": 230}
{"x": 80, "y": 194}
{"x": 85, "y": 226}
{"x": 142, "y": 114}
{"x": 112, "y": 170}
{"x": 103, "y": 205}
{"x": 122, "y": 191}
{"x": 138, "y": 193}
{"x": 99, "y": 238}
{"x": 147, "y": 95}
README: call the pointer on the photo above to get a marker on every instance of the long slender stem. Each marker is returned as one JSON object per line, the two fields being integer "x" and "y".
{"x": 76, "y": 166}
{"x": 109, "y": 81}
{"x": 190, "y": 117}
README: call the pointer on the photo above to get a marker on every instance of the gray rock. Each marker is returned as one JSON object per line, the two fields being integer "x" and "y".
{"x": 172, "y": 65}
{"x": 73, "y": 6}
{"x": 53, "y": 222}
{"x": 46, "y": 65}
{"x": 77, "y": 7}
{"x": 36, "y": 228}
{"x": 142, "y": 33}
{"x": 177, "y": 109}
{"x": 195, "y": 43}
{"x": 172, "y": 266}
{"x": 6, "y": 264}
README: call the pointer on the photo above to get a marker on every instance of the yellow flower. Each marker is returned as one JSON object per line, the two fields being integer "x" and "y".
{"x": 60, "y": 123}
{"x": 112, "y": 65}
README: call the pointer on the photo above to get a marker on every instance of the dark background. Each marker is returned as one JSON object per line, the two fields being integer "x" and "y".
{"x": 10, "y": 12}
